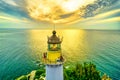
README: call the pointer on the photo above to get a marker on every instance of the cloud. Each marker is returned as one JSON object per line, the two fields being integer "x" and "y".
{"x": 101, "y": 16}
{"x": 98, "y": 7}
{"x": 44, "y": 10}
{"x": 8, "y": 7}
{"x": 13, "y": 19}
{"x": 103, "y": 21}
{"x": 69, "y": 12}
{"x": 56, "y": 11}
{"x": 110, "y": 17}
{"x": 11, "y": 2}
{"x": 109, "y": 13}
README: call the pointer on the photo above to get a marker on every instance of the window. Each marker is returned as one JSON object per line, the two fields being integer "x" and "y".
{"x": 54, "y": 47}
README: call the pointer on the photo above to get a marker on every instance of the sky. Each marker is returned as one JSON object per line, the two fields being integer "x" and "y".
{"x": 64, "y": 14}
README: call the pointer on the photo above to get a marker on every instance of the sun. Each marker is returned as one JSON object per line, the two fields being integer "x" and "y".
{"x": 57, "y": 11}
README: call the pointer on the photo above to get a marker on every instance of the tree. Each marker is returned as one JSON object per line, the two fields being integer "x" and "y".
{"x": 87, "y": 71}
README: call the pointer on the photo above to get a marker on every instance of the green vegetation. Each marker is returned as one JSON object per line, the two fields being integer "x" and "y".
{"x": 40, "y": 72}
{"x": 86, "y": 71}
{"x": 22, "y": 78}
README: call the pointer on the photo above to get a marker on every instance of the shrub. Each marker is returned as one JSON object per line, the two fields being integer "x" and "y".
{"x": 38, "y": 73}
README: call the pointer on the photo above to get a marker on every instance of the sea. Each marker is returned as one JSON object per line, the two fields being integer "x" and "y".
{"x": 21, "y": 50}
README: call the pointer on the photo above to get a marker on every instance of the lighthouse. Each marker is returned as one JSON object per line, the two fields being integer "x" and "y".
{"x": 53, "y": 58}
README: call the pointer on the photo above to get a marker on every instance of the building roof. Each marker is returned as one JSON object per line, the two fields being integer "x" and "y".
{"x": 54, "y": 39}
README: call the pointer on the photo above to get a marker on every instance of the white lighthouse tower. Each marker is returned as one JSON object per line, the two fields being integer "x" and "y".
{"x": 53, "y": 58}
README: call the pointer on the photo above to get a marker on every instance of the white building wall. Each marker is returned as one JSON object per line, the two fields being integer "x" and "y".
{"x": 54, "y": 72}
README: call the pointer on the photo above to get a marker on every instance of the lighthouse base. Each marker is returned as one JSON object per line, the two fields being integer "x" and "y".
{"x": 54, "y": 72}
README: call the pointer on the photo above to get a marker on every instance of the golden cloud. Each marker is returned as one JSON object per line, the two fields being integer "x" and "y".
{"x": 57, "y": 11}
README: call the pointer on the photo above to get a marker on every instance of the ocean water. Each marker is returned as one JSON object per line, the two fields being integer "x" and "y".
{"x": 20, "y": 49}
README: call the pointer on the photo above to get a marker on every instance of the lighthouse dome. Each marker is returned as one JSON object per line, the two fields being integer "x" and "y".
{"x": 54, "y": 39}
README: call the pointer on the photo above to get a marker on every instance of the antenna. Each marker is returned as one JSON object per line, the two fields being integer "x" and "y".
{"x": 54, "y": 27}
